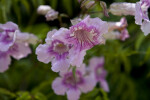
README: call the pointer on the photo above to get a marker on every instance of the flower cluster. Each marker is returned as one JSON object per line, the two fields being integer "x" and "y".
{"x": 65, "y": 47}
{"x": 13, "y": 43}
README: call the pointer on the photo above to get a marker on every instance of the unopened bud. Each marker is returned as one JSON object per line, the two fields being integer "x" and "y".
{"x": 104, "y": 6}
{"x": 43, "y": 9}
{"x": 89, "y": 4}
{"x": 122, "y": 8}
{"x": 51, "y": 15}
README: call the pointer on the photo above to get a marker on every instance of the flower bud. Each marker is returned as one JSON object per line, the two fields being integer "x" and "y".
{"x": 51, "y": 15}
{"x": 43, "y": 9}
{"x": 122, "y": 8}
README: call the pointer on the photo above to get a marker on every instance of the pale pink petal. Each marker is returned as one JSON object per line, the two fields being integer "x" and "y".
{"x": 61, "y": 35}
{"x": 4, "y": 46}
{"x": 145, "y": 27}
{"x": 73, "y": 94}
{"x": 82, "y": 68}
{"x": 26, "y": 37}
{"x": 7, "y": 42}
{"x": 48, "y": 39}
{"x": 124, "y": 35}
{"x": 138, "y": 13}
{"x": 58, "y": 87}
{"x": 9, "y": 26}
{"x": 89, "y": 84}
{"x": 95, "y": 61}
{"x": 60, "y": 65}
{"x": 104, "y": 85}
{"x": 20, "y": 50}
{"x": 51, "y": 15}
{"x": 42, "y": 53}
{"x": 76, "y": 58}
{"x": 4, "y": 63}
{"x": 102, "y": 26}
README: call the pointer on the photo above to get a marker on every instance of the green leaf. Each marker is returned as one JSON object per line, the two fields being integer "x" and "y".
{"x": 39, "y": 96}
{"x": 67, "y": 4}
{"x": 139, "y": 41}
{"x": 98, "y": 98}
{"x": 147, "y": 56}
{"x": 74, "y": 72}
{"x": 26, "y": 4}
{"x": 7, "y": 92}
{"x": 53, "y": 3}
{"x": 126, "y": 62}
{"x": 24, "y": 96}
{"x": 105, "y": 97}
{"x": 42, "y": 86}
{"x": 17, "y": 11}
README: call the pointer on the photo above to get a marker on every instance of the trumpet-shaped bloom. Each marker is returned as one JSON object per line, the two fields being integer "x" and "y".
{"x": 72, "y": 84}
{"x": 7, "y": 35}
{"x": 121, "y": 33}
{"x": 97, "y": 68}
{"x": 13, "y": 43}
{"x": 55, "y": 50}
{"x": 83, "y": 35}
{"x": 87, "y": 33}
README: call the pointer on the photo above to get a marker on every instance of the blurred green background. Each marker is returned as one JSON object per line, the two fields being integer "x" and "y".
{"x": 127, "y": 63}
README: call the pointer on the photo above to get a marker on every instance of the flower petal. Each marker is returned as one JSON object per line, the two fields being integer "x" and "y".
{"x": 73, "y": 94}
{"x": 90, "y": 83}
{"x": 20, "y": 50}
{"x": 49, "y": 36}
{"x": 145, "y": 27}
{"x": 76, "y": 59}
{"x": 104, "y": 85}
{"x": 138, "y": 13}
{"x": 8, "y": 26}
{"x": 61, "y": 35}
{"x": 60, "y": 65}
{"x": 42, "y": 53}
{"x": 58, "y": 87}
{"x": 4, "y": 62}
{"x": 102, "y": 26}
{"x": 26, "y": 37}
{"x": 95, "y": 61}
